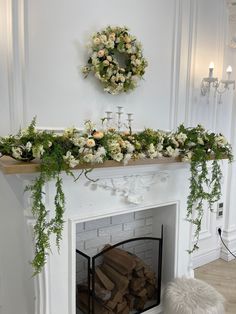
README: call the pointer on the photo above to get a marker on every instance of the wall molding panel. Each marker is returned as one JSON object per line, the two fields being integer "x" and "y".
{"x": 16, "y": 62}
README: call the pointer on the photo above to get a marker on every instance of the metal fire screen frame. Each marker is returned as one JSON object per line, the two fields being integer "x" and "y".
{"x": 91, "y": 270}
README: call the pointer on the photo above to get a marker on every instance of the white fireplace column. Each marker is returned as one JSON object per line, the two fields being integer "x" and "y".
{"x": 119, "y": 190}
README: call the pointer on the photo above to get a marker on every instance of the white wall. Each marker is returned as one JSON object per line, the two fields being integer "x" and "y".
{"x": 42, "y": 47}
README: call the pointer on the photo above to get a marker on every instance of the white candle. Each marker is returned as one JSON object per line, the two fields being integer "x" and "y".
{"x": 211, "y": 67}
{"x": 229, "y": 69}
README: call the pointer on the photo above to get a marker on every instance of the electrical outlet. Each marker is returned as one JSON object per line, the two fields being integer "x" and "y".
{"x": 220, "y": 209}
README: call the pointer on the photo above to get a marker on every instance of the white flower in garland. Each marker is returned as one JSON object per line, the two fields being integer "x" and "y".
{"x": 106, "y": 45}
{"x": 171, "y": 152}
{"x": 70, "y": 160}
{"x": 16, "y": 152}
{"x": 38, "y": 151}
{"x": 220, "y": 140}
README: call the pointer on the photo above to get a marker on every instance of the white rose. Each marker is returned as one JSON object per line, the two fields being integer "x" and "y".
{"x": 112, "y": 36}
{"x": 101, "y": 53}
{"x": 106, "y": 62}
{"x": 103, "y": 38}
{"x": 122, "y": 78}
{"x": 90, "y": 142}
{"x": 96, "y": 41}
{"x": 109, "y": 58}
{"x": 127, "y": 39}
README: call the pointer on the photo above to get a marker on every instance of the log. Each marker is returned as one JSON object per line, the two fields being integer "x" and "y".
{"x": 116, "y": 298}
{"x": 139, "y": 304}
{"x": 100, "y": 292}
{"x": 149, "y": 274}
{"x": 150, "y": 291}
{"x": 142, "y": 293}
{"x": 137, "y": 284}
{"x": 83, "y": 304}
{"x": 130, "y": 301}
{"x": 139, "y": 263}
{"x": 125, "y": 311}
{"x": 120, "y": 260}
{"x": 120, "y": 281}
{"x": 139, "y": 273}
{"x": 121, "y": 306}
{"x": 107, "y": 283}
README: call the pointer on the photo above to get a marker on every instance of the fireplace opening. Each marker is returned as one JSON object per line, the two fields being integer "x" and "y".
{"x": 119, "y": 281}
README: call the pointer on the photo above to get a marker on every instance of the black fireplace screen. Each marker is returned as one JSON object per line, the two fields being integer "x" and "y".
{"x": 123, "y": 278}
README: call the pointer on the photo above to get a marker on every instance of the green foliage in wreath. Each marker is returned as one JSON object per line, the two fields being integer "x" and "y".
{"x": 106, "y": 47}
{"x": 62, "y": 153}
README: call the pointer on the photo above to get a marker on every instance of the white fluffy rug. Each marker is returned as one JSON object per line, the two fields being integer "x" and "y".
{"x": 192, "y": 296}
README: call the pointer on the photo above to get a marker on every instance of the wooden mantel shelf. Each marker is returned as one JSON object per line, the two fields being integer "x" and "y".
{"x": 11, "y": 166}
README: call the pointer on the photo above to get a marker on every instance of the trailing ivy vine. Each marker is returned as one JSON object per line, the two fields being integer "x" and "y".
{"x": 62, "y": 153}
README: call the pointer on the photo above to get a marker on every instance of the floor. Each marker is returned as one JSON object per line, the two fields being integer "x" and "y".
{"x": 222, "y": 276}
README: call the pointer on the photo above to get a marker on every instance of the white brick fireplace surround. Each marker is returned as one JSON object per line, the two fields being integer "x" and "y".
{"x": 125, "y": 202}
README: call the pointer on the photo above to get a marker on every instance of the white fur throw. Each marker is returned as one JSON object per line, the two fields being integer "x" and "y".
{"x": 192, "y": 296}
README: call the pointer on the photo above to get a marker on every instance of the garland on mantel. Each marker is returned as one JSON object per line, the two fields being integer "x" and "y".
{"x": 64, "y": 152}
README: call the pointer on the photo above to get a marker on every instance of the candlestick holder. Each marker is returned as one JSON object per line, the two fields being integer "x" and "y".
{"x": 119, "y": 114}
{"x": 129, "y": 115}
{"x": 108, "y": 118}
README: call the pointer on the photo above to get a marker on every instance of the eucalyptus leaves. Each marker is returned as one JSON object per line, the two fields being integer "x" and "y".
{"x": 64, "y": 152}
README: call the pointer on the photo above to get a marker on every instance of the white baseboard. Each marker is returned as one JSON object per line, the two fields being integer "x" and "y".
{"x": 229, "y": 237}
{"x": 206, "y": 257}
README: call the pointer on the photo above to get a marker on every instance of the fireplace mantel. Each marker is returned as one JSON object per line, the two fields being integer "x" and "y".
{"x": 159, "y": 185}
{"x": 10, "y": 166}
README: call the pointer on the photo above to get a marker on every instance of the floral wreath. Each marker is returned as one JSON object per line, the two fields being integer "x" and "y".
{"x": 105, "y": 46}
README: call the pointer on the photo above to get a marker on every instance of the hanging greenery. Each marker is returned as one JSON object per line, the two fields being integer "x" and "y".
{"x": 62, "y": 153}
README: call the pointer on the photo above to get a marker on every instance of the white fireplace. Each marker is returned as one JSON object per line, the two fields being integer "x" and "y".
{"x": 125, "y": 202}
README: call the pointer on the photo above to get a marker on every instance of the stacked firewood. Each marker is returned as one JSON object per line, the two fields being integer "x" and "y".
{"x": 123, "y": 283}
